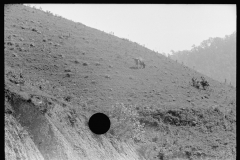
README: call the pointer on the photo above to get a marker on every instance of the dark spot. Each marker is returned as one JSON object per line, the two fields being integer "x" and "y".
{"x": 99, "y": 123}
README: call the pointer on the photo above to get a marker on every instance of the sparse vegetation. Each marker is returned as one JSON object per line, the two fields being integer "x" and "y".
{"x": 107, "y": 76}
{"x": 97, "y": 64}
{"x": 214, "y": 57}
{"x": 200, "y": 84}
{"x": 93, "y": 82}
{"x": 76, "y": 62}
{"x": 125, "y": 123}
{"x": 68, "y": 98}
{"x": 172, "y": 129}
{"x": 159, "y": 119}
{"x": 204, "y": 83}
{"x": 72, "y": 117}
{"x": 85, "y": 64}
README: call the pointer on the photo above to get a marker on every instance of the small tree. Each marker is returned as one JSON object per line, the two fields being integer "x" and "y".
{"x": 197, "y": 84}
{"x": 204, "y": 83}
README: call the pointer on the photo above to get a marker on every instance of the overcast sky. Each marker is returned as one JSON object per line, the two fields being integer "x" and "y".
{"x": 159, "y": 27}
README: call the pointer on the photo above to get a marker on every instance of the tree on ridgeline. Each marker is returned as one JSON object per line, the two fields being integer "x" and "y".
{"x": 214, "y": 57}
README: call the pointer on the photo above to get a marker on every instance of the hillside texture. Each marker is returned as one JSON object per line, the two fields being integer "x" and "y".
{"x": 215, "y": 57}
{"x": 58, "y": 73}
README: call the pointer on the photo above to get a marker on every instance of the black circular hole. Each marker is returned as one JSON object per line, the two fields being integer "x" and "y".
{"x": 99, "y": 123}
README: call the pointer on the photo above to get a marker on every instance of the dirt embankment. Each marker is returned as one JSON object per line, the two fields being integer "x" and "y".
{"x": 41, "y": 127}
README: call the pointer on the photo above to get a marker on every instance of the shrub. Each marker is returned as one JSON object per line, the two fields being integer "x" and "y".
{"x": 125, "y": 123}
{"x": 107, "y": 76}
{"x": 196, "y": 83}
{"x": 85, "y": 64}
{"x": 68, "y": 98}
{"x": 204, "y": 83}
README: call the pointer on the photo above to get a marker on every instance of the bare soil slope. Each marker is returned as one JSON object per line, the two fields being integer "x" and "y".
{"x": 70, "y": 71}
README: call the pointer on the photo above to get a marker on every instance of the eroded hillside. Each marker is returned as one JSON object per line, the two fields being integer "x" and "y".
{"x": 58, "y": 73}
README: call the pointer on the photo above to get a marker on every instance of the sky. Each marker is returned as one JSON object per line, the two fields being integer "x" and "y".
{"x": 160, "y": 27}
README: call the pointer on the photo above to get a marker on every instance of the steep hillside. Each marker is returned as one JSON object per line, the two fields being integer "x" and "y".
{"x": 58, "y": 73}
{"x": 215, "y": 57}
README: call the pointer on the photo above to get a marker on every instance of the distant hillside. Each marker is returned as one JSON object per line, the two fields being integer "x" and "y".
{"x": 58, "y": 73}
{"x": 215, "y": 57}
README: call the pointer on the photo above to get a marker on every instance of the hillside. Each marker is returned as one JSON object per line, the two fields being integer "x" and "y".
{"x": 215, "y": 57}
{"x": 58, "y": 73}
